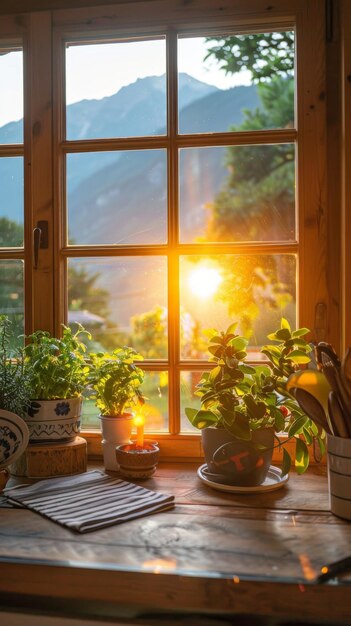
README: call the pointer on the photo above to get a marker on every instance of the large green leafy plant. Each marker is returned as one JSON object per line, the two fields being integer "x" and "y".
{"x": 14, "y": 385}
{"x": 56, "y": 368}
{"x": 115, "y": 380}
{"x": 243, "y": 398}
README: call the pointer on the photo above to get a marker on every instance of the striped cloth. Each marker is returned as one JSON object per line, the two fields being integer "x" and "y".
{"x": 89, "y": 501}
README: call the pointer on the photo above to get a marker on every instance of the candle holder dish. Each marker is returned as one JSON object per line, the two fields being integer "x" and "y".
{"x": 136, "y": 461}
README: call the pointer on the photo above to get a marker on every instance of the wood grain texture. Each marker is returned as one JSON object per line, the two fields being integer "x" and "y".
{"x": 345, "y": 23}
{"x": 56, "y": 459}
{"x": 213, "y": 552}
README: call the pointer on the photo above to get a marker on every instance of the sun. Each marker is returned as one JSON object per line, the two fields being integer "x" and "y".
{"x": 204, "y": 281}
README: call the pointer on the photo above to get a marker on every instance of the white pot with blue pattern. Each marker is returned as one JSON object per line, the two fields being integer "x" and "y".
{"x": 54, "y": 420}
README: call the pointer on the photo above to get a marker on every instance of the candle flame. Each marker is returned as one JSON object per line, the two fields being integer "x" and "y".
{"x": 139, "y": 421}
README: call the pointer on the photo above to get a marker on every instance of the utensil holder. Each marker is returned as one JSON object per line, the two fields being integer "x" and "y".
{"x": 339, "y": 475}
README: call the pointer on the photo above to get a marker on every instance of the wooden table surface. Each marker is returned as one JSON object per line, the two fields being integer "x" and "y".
{"x": 215, "y": 553}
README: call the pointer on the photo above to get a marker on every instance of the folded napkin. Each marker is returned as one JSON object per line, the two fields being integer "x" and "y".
{"x": 89, "y": 501}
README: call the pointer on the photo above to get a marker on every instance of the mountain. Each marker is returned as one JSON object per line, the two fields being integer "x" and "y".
{"x": 117, "y": 188}
{"x": 133, "y": 183}
{"x": 135, "y": 110}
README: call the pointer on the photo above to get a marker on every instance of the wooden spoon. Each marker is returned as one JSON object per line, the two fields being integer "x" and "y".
{"x": 336, "y": 416}
{"x": 313, "y": 409}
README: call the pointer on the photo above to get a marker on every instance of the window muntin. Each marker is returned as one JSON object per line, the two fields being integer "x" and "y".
{"x": 106, "y": 88}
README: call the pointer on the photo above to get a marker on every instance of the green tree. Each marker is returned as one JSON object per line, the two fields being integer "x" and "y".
{"x": 11, "y": 233}
{"x": 85, "y": 296}
{"x": 257, "y": 201}
{"x": 11, "y": 279}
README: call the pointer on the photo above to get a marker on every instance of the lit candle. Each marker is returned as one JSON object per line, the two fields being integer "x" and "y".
{"x": 139, "y": 423}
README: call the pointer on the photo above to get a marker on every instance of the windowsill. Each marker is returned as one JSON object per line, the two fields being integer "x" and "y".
{"x": 187, "y": 559}
{"x": 185, "y": 447}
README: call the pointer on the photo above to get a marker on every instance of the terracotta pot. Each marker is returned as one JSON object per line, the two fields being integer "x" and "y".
{"x": 136, "y": 462}
{"x": 116, "y": 430}
{"x": 54, "y": 420}
{"x": 239, "y": 462}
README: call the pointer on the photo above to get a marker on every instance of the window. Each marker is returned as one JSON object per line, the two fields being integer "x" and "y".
{"x": 185, "y": 191}
{"x": 12, "y": 184}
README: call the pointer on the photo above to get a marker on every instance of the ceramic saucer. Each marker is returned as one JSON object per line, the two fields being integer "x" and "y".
{"x": 274, "y": 480}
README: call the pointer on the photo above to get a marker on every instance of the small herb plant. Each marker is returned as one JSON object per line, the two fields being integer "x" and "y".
{"x": 242, "y": 398}
{"x": 115, "y": 381}
{"x": 14, "y": 385}
{"x": 56, "y": 368}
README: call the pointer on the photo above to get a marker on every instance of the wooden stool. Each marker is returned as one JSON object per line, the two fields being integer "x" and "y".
{"x": 52, "y": 459}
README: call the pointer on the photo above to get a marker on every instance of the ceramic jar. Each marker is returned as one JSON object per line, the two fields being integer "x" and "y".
{"x": 116, "y": 430}
{"x": 54, "y": 420}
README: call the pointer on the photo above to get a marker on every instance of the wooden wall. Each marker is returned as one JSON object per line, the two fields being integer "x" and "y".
{"x": 24, "y": 6}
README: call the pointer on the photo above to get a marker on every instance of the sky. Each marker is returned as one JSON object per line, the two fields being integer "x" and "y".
{"x": 99, "y": 70}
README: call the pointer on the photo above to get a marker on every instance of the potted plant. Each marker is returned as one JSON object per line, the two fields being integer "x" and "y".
{"x": 244, "y": 407}
{"x": 57, "y": 373}
{"x": 14, "y": 399}
{"x": 14, "y": 384}
{"x": 115, "y": 381}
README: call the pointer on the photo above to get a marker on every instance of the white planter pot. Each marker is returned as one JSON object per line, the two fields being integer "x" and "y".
{"x": 54, "y": 420}
{"x": 115, "y": 431}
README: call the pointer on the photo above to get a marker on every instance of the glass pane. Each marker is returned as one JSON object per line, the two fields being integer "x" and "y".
{"x": 12, "y": 296}
{"x": 121, "y": 301}
{"x": 236, "y": 82}
{"x": 11, "y": 202}
{"x": 155, "y": 410}
{"x": 123, "y": 194}
{"x": 116, "y": 89}
{"x": 237, "y": 193}
{"x": 188, "y": 382}
{"x": 11, "y": 101}
{"x": 215, "y": 291}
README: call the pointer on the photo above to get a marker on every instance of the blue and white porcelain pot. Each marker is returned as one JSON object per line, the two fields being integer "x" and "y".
{"x": 54, "y": 420}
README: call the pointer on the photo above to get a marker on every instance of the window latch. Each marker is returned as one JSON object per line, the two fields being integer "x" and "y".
{"x": 40, "y": 240}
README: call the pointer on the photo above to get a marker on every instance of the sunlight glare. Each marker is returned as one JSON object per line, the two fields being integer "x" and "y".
{"x": 204, "y": 281}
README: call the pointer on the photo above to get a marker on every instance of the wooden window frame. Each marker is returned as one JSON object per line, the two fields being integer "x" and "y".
{"x": 45, "y": 147}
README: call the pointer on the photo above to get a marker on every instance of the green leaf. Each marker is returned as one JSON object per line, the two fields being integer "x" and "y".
{"x": 308, "y": 436}
{"x": 232, "y": 328}
{"x": 297, "y": 426}
{"x": 283, "y": 334}
{"x": 297, "y": 356}
{"x": 300, "y": 332}
{"x": 215, "y": 350}
{"x": 239, "y": 343}
{"x": 285, "y": 324}
{"x": 200, "y": 419}
{"x": 321, "y": 445}
{"x": 214, "y": 373}
{"x": 210, "y": 332}
{"x": 272, "y": 337}
{"x": 217, "y": 339}
{"x": 238, "y": 425}
{"x": 241, "y": 355}
{"x": 286, "y": 463}
{"x": 301, "y": 456}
